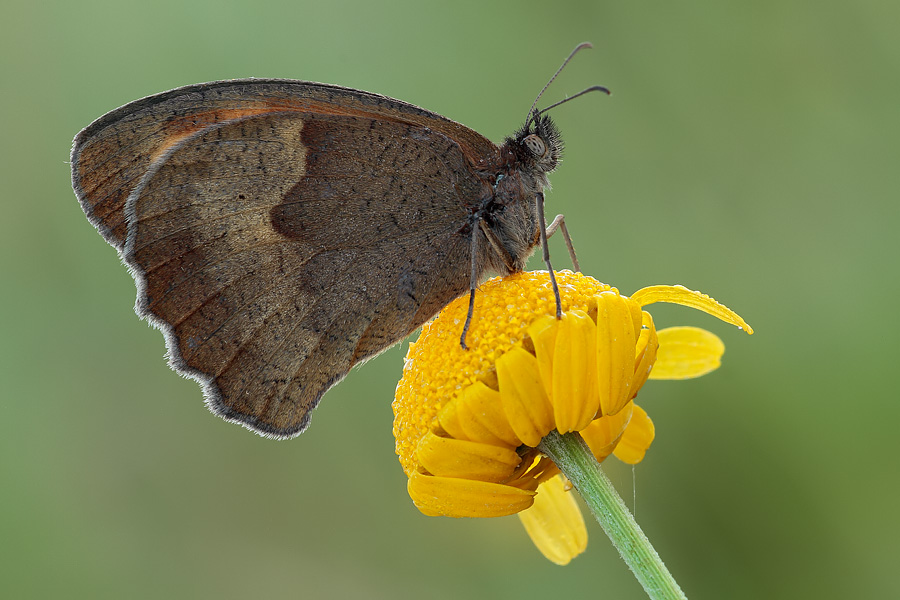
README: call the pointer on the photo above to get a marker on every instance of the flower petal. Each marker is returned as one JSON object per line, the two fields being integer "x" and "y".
{"x": 686, "y": 352}
{"x": 449, "y": 421}
{"x": 616, "y": 350}
{"x": 554, "y": 523}
{"x": 637, "y": 438}
{"x": 523, "y": 396}
{"x": 543, "y": 337}
{"x": 603, "y": 434}
{"x": 534, "y": 469}
{"x": 449, "y": 457}
{"x": 645, "y": 353}
{"x": 449, "y": 497}
{"x": 477, "y": 415}
{"x": 678, "y": 294}
{"x": 575, "y": 400}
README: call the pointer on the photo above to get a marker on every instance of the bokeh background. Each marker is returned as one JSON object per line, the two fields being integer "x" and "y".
{"x": 749, "y": 150}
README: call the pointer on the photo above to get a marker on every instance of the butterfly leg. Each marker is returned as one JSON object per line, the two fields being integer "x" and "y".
{"x": 539, "y": 199}
{"x": 473, "y": 283}
{"x": 560, "y": 223}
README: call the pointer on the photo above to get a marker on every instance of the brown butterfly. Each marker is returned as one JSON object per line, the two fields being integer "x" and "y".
{"x": 281, "y": 232}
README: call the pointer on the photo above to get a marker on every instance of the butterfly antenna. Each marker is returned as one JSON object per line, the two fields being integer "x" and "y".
{"x": 593, "y": 88}
{"x": 579, "y": 47}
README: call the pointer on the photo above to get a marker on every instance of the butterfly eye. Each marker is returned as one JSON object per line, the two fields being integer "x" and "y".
{"x": 535, "y": 145}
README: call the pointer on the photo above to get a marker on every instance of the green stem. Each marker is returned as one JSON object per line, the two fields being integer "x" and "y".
{"x": 575, "y": 460}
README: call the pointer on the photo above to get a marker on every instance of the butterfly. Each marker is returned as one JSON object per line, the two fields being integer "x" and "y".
{"x": 280, "y": 232}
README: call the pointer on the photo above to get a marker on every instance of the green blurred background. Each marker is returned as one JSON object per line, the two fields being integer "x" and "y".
{"x": 749, "y": 150}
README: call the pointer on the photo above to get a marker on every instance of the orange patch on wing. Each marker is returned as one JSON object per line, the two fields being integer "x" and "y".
{"x": 178, "y": 129}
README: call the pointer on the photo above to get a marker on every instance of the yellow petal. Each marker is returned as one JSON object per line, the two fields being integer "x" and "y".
{"x": 532, "y": 471}
{"x": 678, "y": 294}
{"x": 523, "y": 396}
{"x": 603, "y": 434}
{"x": 637, "y": 438}
{"x": 616, "y": 349}
{"x": 448, "y": 497}
{"x": 575, "y": 400}
{"x": 645, "y": 354}
{"x": 543, "y": 337}
{"x": 637, "y": 315}
{"x": 477, "y": 415}
{"x": 554, "y": 523}
{"x": 449, "y": 457}
{"x": 449, "y": 419}
{"x": 686, "y": 352}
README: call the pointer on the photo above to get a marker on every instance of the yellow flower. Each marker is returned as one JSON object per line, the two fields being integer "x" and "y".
{"x": 467, "y": 422}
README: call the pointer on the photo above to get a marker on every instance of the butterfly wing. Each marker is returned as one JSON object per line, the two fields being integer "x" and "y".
{"x": 277, "y": 239}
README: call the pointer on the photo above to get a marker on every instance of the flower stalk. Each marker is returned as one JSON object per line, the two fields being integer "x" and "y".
{"x": 573, "y": 457}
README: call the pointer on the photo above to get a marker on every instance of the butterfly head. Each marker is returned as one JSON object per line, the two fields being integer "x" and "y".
{"x": 538, "y": 145}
